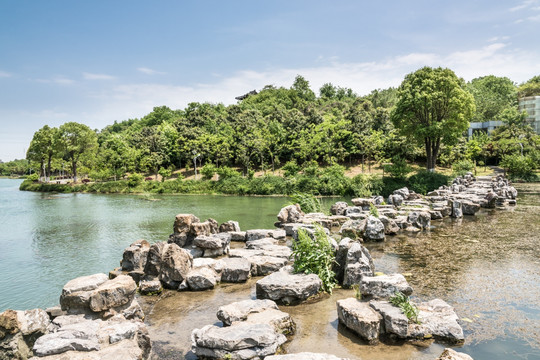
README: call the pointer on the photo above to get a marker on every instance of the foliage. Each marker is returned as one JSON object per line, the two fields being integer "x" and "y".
{"x": 165, "y": 173}
{"x": 34, "y": 177}
{"x": 291, "y": 168}
{"x": 399, "y": 168}
{"x": 308, "y": 202}
{"x": 433, "y": 108}
{"x": 426, "y": 181}
{"x": 492, "y": 95}
{"x": 530, "y": 88}
{"x": 208, "y": 171}
{"x": 373, "y": 210}
{"x": 520, "y": 167}
{"x": 315, "y": 256}
{"x": 403, "y": 302}
{"x": 134, "y": 180}
{"x": 462, "y": 167}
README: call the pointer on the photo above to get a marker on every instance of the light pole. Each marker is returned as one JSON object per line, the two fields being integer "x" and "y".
{"x": 195, "y": 156}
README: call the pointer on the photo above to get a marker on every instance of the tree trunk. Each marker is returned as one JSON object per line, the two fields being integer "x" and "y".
{"x": 49, "y": 168}
{"x": 74, "y": 169}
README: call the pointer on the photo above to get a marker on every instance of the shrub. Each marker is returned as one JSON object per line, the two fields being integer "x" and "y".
{"x": 315, "y": 256}
{"x": 134, "y": 180}
{"x": 373, "y": 210}
{"x": 425, "y": 181}
{"x": 389, "y": 184}
{"x": 308, "y": 202}
{"x": 225, "y": 172}
{"x": 33, "y": 177}
{"x": 333, "y": 181}
{"x": 409, "y": 309}
{"x": 165, "y": 173}
{"x": 363, "y": 185}
{"x": 291, "y": 168}
{"x": 399, "y": 168}
{"x": 462, "y": 167}
{"x": 208, "y": 171}
{"x": 519, "y": 167}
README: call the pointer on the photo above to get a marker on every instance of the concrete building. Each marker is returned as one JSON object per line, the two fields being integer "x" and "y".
{"x": 531, "y": 104}
{"x": 486, "y": 126}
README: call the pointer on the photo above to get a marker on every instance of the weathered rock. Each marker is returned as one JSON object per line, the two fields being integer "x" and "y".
{"x": 239, "y": 341}
{"x": 257, "y": 234}
{"x": 150, "y": 285}
{"x": 394, "y": 321}
{"x": 113, "y": 293}
{"x": 361, "y": 318}
{"x": 469, "y": 208}
{"x": 290, "y": 214}
{"x": 260, "y": 244}
{"x": 492, "y": 199}
{"x": 208, "y": 242}
{"x": 353, "y": 229}
{"x": 207, "y": 228}
{"x": 404, "y": 192}
{"x": 363, "y": 202}
{"x": 439, "y": 319}
{"x": 76, "y": 293}
{"x": 395, "y": 199}
{"x": 134, "y": 257}
{"x": 435, "y": 215}
{"x": 234, "y": 270}
{"x": 183, "y": 222}
{"x": 304, "y": 356}
{"x": 339, "y": 208}
{"x": 390, "y": 226}
{"x": 239, "y": 311}
{"x": 420, "y": 219}
{"x": 358, "y": 264}
{"x": 286, "y": 287}
{"x": 176, "y": 264}
{"x": 229, "y": 226}
{"x": 264, "y": 265}
{"x": 341, "y": 258}
{"x": 238, "y": 235}
{"x": 374, "y": 230}
{"x": 384, "y": 286}
{"x": 448, "y": 354}
{"x": 202, "y": 278}
{"x": 19, "y": 330}
{"x": 457, "y": 210}
{"x": 153, "y": 262}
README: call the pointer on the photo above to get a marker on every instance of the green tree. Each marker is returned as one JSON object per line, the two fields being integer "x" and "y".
{"x": 433, "y": 108}
{"x": 492, "y": 94}
{"x": 530, "y": 88}
{"x": 76, "y": 140}
{"x": 43, "y": 147}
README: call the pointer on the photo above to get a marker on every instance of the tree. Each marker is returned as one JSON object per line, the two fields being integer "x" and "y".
{"x": 492, "y": 95}
{"x": 76, "y": 140}
{"x": 433, "y": 107}
{"x": 43, "y": 147}
{"x": 530, "y": 88}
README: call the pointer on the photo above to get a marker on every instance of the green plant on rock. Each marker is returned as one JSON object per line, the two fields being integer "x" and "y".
{"x": 403, "y": 302}
{"x": 315, "y": 256}
{"x": 373, "y": 210}
{"x": 308, "y": 202}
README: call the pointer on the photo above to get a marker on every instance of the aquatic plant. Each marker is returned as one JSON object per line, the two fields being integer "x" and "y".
{"x": 308, "y": 202}
{"x": 403, "y": 302}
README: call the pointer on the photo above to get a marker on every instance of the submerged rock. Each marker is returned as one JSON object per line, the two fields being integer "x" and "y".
{"x": 359, "y": 317}
{"x": 286, "y": 287}
{"x": 438, "y": 319}
{"x": 240, "y": 310}
{"x": 394, "y": 321}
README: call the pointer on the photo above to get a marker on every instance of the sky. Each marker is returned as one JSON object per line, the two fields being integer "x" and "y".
{"x": 96, "y": 62}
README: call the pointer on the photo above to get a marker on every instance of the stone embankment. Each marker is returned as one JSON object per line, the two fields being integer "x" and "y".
{"x": 100, "y": 318}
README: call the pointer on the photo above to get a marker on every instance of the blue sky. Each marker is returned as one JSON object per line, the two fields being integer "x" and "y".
{"x": 97, "y": 61}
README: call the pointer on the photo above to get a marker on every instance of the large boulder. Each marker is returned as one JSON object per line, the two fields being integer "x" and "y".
{"x": 390, "y": 225}
{"x": 75, "y": 297}
{"x": 239, "y": 311}
{"x": 363, "y": 202}
{"x": 240, "y": 341}
{"x": 154, "y": 257}
{"x": 395, "y": 199}
{"x": 457, "y": 210}
{"x": 229, "y": 226}
{"x": 19, "y": 330}
{"x": 420, "y": 219}
{"x": 290, "y": 214}
{"x": 207, "y": 228}
{"x": 374, "y": 230}
{"x": 394, "y": 321}
{"x": 384, "y": 286}
{"x": 438, "y": 319}
{"x": 181, "y": 235}
{"x": 135, "y": 256}
{"x": 113, "y": 293}
{"x": 339, "y": 208}
{"x": 353, "y": 229}
{"x": 358, "y": 264}
{"x": 286, "y": 287}
{"x": 469, "y": 207}
{"x": 361, "y": 318}
{"x": 202, "y": 278}
{"x": 403, "y": 192}
{"x": 264, "y": 265}
{"x": 234, "y": 270}
{"x": 175, "y": 265}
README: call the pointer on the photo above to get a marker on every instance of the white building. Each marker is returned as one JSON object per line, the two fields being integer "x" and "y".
{"x": 531, "y": 104}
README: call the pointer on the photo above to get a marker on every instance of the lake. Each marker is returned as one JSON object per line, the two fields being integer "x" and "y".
{"x": 487, "y": 267}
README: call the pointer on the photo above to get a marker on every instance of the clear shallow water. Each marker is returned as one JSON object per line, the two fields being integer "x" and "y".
{"x": 487, "y": 267}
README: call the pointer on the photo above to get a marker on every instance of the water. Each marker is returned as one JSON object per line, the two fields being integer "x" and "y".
{"x": 487, "y": 267}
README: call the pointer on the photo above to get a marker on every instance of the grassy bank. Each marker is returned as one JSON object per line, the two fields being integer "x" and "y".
{"x": 329, "y": 181}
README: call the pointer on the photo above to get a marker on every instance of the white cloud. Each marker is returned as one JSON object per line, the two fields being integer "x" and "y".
{"x": 149, "y": 71}
{"x": 90, "y": 76}
{"x": 4, "y": 74}
{"x": 524, "y": 5}
{"x": 534, "y": 18}
{"x": 60, "y": 80}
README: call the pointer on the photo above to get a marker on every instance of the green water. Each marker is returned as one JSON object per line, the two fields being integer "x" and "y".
{"x": 47, "y": 240}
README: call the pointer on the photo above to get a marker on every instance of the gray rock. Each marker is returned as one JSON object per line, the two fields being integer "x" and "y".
{"x": 135, "y": 256}
{"x": 286, "y": 287}
{"x": 457, "y": 210}
{"x": 361, "y": 318}
{"x": 290, "y": 214}
{"x": 229, "y": 226}
{"x": 202, "y": 278}
{"x": 491, "y": 199}
{"x": 420, "y": 219}
{"x": 258, "y": 234}
{"x": 113, "y": 293}
{"x": 363, "y": 202}
{"x": 354, "y": 212}
{"x": 183, "y": 222}
{"x": 81, "y": 336}
{"x": 239, "y": 311}
{"x": 150, "y": 285}
{"x": 341, "y": 258}
{"x": 395, "y": 199}
{"x": 175, "y": 265}
{"x": 374, "y": 230}
{"x": 304, "y": 356}
{"x": 19, "y": 330}
{"x": 358, "y": 264}
{"x": 207, "y": 228}
{"x": 394, "y": 321}
{"x": 264, "y": 265}
{"x": 353, "y": 229}
{"x": 384, "y": 286}
{"x": 76, "y": 293}
{"x": 238, "y": 235}
{"x": 469, "y": 208}
{"x": 390, "y": 226}
{"x": 234, "y": 270}
{"x": 260, "y": 243}
{"x": 435, "y": 215}
{"x": 448, "y": 354}
{"x": 208, "y": 242}
{"x": 339, "y": 208}
{"x": 439, "y": 319}
{"x": 404, "y": 192}
{"x": 153, "y": 262}
{"x": 238, "y": 341}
